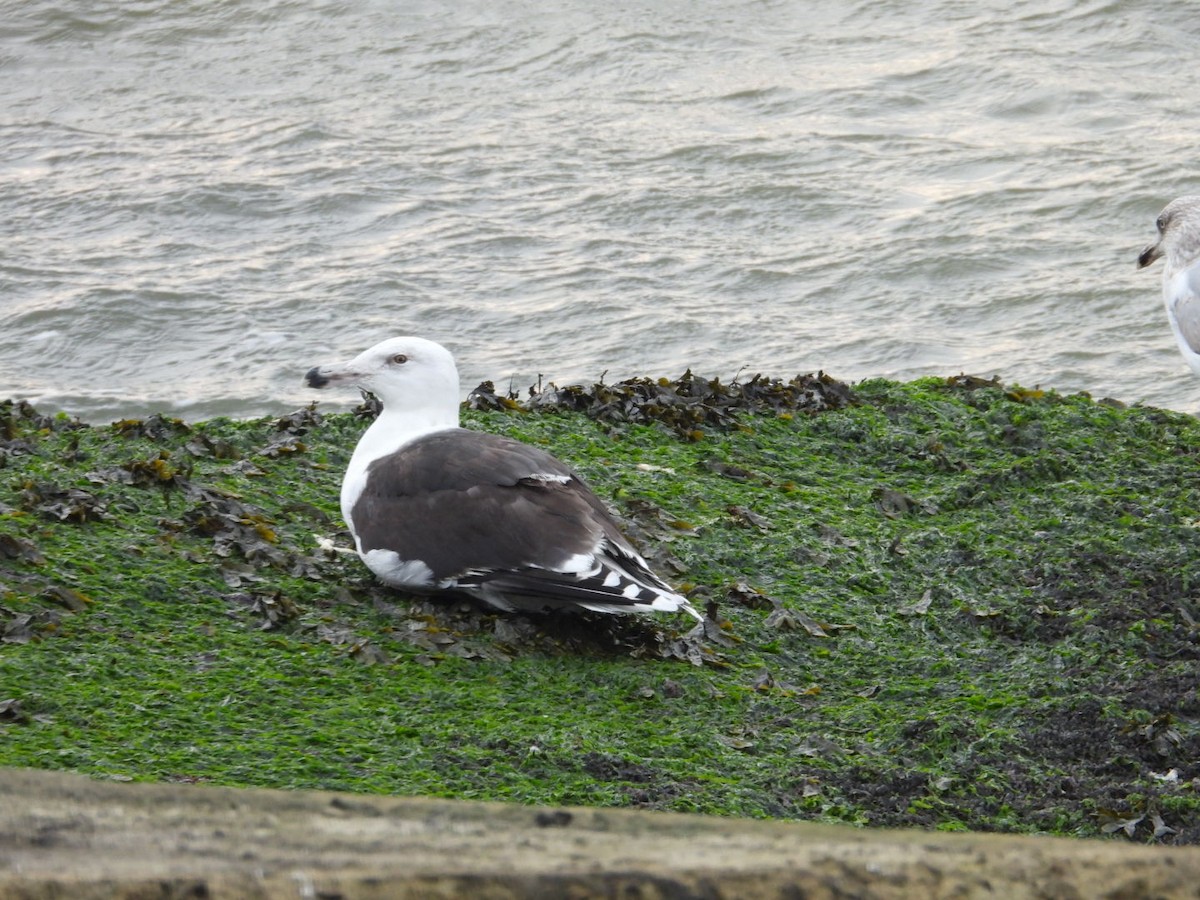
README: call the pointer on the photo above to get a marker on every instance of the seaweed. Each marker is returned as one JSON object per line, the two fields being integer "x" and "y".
{"x": 686, "y": 405}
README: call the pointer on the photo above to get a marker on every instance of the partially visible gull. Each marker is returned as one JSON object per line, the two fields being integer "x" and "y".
{"x": 434, "y": 507}
{"x": 1179, "y": 241}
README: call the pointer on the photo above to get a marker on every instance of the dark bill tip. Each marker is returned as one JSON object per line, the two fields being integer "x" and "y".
{"x": 1149, "y": 255}
{"x": 315, "y": 379}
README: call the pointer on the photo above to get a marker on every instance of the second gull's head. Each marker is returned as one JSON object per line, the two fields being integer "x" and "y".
{"x": 1178, "y": 235}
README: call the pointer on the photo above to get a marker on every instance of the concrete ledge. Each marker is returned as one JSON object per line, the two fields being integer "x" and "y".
{"x": 65, "y": 835}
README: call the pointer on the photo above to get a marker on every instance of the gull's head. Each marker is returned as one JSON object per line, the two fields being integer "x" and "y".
{"x": 407, "y": 374}
{"x": 1178, "y": 235}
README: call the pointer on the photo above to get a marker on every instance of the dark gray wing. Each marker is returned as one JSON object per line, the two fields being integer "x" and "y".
{"x": 468, "y": 502}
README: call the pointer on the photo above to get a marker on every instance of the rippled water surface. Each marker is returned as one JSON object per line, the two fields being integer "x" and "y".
{"x": 200, "y": 200}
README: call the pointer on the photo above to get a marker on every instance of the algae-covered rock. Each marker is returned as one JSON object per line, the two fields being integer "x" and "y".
{"x": 948, "y": 604}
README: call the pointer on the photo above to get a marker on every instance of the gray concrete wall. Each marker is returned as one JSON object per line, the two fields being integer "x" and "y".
{"x": 67, "y": 836}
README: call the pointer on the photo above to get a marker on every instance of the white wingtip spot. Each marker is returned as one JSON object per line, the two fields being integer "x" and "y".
{"x": 581, "y": 564}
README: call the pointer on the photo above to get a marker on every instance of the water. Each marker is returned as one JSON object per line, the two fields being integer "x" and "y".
{"x": 201, "y": 199}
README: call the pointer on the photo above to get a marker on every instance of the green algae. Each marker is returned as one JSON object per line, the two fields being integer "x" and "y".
{"x": 945, "y": 604}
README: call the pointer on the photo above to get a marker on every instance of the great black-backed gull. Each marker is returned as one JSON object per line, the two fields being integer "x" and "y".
{"x": 434, "y": 507}
{"x": 1179, "y": 241}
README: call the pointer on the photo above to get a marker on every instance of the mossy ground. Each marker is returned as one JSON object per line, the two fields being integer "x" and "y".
{"x": 948, "y": 605}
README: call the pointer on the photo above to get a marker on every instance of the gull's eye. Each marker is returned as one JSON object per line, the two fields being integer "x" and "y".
{"x": 399, "y": 359}
{"x": 1161, "y": 222}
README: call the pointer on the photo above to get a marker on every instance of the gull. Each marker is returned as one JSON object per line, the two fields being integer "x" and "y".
{"x": 436, "y": 508}
{"x": 1179, "y": 241}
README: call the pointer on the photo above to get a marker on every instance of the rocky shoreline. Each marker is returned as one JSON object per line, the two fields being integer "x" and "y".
{"x": 950, "y": 605}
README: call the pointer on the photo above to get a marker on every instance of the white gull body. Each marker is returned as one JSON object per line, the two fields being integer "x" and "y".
{"x": 1179, "y": 242}
{"x": 434, "y": 507}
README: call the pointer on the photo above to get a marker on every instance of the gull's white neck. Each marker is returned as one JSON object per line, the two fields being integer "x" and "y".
{"x": 1180, "y": 259}
{"x": 387, "y": 434}
{"x": 1183, "y": 248}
